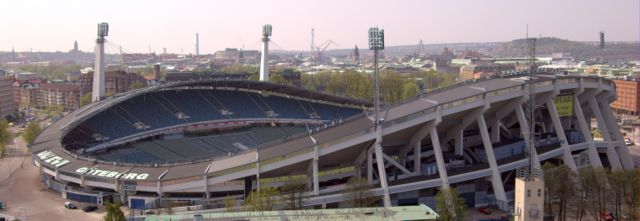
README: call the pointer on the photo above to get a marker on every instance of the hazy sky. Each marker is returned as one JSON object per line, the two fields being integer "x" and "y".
{"x": 50, "y": 25}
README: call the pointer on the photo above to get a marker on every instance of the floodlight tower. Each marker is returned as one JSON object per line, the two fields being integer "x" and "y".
{"x": 529, "y": 188}
{"x": 264, "y": 61}
{"x": 197, "y": 44}
{"x": 376, "y": 43}
{"x": 97, "y": 92}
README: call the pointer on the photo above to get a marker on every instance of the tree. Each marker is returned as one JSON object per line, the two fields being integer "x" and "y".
{"x": 410, "y": 89}
{"x": 278, "y": 79}
{"x": 390, "y": 86}
{"x": 559, "y": 188}
{"x": 168, "y": 207}
{"x": 450, "y": 205}
{"x": 136, "y": 85}
{"x": 85, "y": 99}
{"x": 263, "y": 199}
{"x": 54, "y": 110}
{"x": 358, "y": 193}
{"x": 631, "y": 192}
{"x": 594, "y": 187}
{"x": 31, "y": 132}
{"x": 5, "y": 135}
{"x": 113, "y": 212}
{"x": 230, "y": 204}
{"x": 293, "y": 193}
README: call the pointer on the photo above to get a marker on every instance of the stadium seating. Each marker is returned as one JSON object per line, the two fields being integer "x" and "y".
{"x": 162, "y": 109}
{"x": 166, "y": 151}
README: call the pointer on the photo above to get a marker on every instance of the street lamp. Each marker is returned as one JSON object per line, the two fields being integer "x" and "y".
{"x": 24, "y": 213}
{"x": 376, "y": 43}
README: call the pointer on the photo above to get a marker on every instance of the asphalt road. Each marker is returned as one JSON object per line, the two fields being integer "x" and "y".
{"x": 23, "y": 191}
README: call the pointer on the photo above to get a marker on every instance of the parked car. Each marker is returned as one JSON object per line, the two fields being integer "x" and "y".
{"x": 628, "y": 142}
{"x": 90, "y": 208}
{"x": 607, "y": 216}
{"x": 484, "y": 210}
{"x": 70, "y": 205}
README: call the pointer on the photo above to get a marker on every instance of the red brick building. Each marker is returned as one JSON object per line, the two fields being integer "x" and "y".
{"x": 628, "y": 92}
{"x": 115, "y": 82}
{"x": 64, "y": 94}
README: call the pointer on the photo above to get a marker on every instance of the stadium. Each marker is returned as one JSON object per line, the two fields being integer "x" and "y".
{"x": 197, "y": 142}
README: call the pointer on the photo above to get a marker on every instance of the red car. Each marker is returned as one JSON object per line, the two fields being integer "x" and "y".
{"x": 484, "y": 210}
{"x": 607, "y": 216}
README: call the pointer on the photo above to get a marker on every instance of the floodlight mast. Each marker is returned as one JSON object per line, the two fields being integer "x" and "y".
{"x": 376, "y": 43}
{"x": 98, "y": 92}
{"x": 264, "y": 61}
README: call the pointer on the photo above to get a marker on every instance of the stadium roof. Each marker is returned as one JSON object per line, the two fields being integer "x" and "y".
{"x": 267, "y": 86}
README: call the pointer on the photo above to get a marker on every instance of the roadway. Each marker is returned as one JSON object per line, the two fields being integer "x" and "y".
{"x": 22, "y": 191}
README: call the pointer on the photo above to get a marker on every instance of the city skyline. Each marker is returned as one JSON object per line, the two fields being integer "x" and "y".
{"x": 138, "y": 26}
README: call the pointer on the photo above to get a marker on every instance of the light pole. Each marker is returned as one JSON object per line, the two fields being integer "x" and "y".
{"x": 376, "y": 43}
{"x": 24, "y": 213}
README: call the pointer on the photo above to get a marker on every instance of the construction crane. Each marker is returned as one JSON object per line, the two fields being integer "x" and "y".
{"x": 420, "y": 50}
{"x": 322, "y": 47}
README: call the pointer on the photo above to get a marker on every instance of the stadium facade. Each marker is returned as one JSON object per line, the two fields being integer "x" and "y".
{"x": 200, "y": 141}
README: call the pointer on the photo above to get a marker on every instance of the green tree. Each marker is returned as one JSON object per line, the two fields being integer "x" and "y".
{"x": 560, "y": 184}
{"x": 136, "y": 85}
{"x": 54, "y": 110}
{"x": 85, "y": 99}
{"x": 293, "y": 193}
{"x": 410, "y": 89}
{"x": 450, "y": 205}
{"x": 31, "y": 132}
{"x": 391, "y": 86}
{"x": 230, "y": 204}
{"x": 631, "y": 193}
{"x": 278, "y": 79}
{"x": 263, "y": 199}
{"x": 5, "y": 135}
{"x": 113, "y": 212}
{"x": 593, "y": 182}
{"x": 358, "y": 193}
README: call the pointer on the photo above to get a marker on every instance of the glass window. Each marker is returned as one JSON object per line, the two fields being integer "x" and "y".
{"x": 539, "y": 192}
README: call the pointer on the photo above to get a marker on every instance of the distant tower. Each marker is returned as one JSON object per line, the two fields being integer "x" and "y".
{"x": 356, "y": 56}
{"x": 197, "y": 44}
{"x": 313, "y": 44}
{"x": 75, "y": 46}
{"x": 602, "y": 40}
{"x": 264, "y": 61}
{"x": 98, "y": 71}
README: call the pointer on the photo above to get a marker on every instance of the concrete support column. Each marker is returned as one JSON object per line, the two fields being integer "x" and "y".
{"x": 612, "y": 155}
{"x": 417, "y": 158}
{"x": 458, "y": 142}
{"x": 258, "y": 171}
{"x": 567, "y": 157}
{"x": 495, "y": 131}
{"x": 316, "y": 179}
{"x": 496, "y": 179}
{"x": 369, "y": 166}
{"x": 437, "y": 150}
{"x": 205, "y": 187}
{"x": 524, "y": 130}
{"x": 381, "y": 170}
{"x": 594, "y": 158}
{"x": 612, "y": 125}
